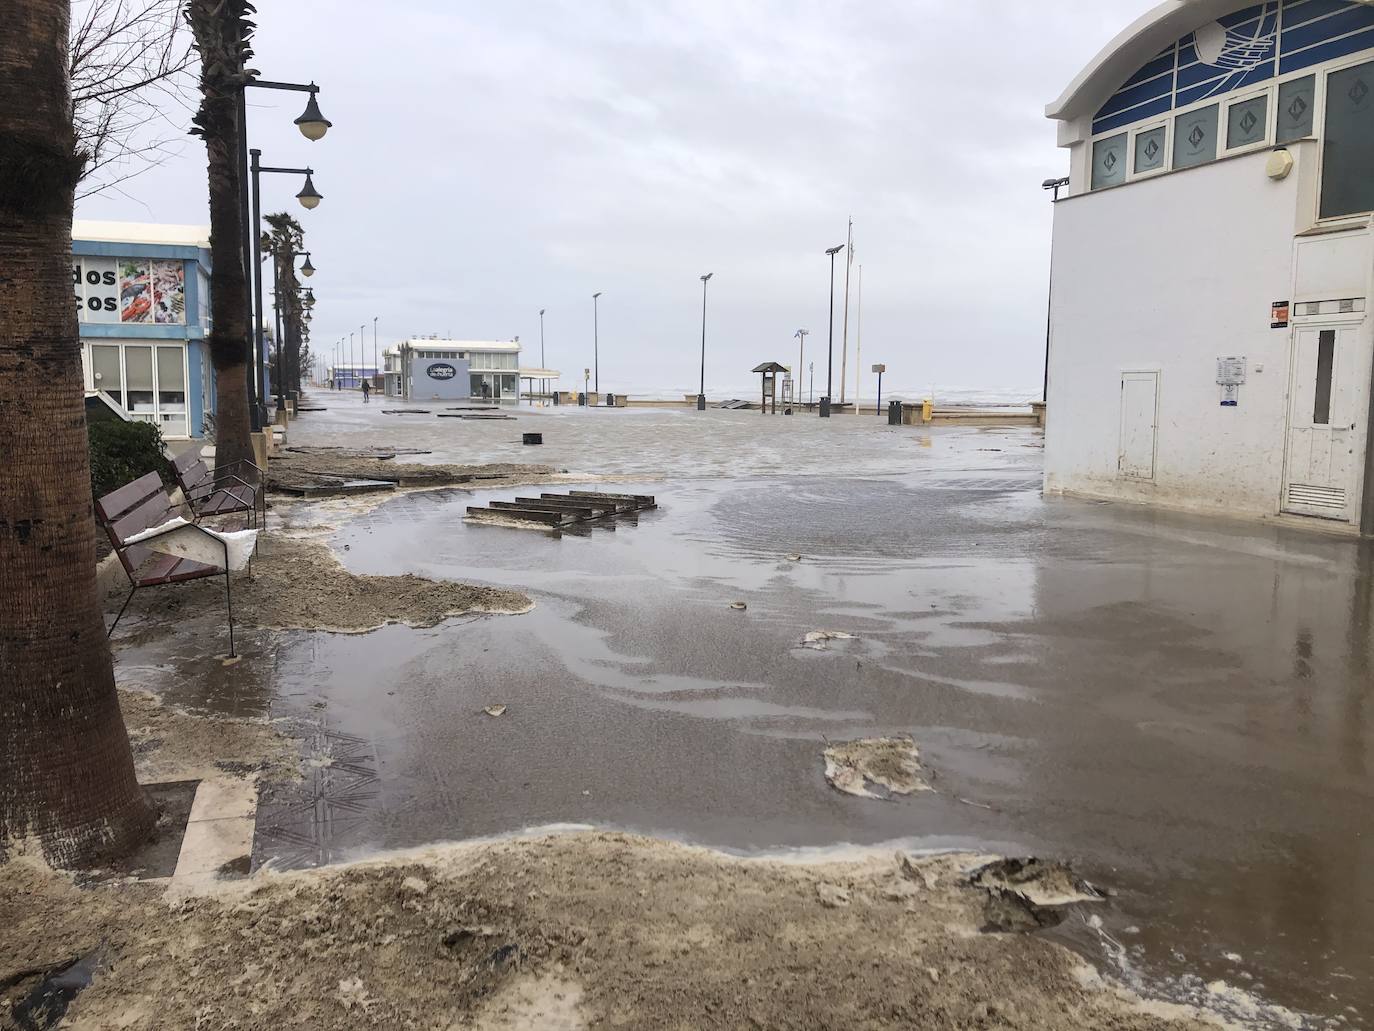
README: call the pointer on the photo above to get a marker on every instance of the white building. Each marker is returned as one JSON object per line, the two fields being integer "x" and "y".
{"x": 430, "y": 369}
{"x": 1210, "y": 339}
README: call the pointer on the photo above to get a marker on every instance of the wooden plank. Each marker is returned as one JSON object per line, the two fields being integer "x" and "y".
{"x": 542, "y": 506}
{"x": 551, "y": 518}
{"x": 117, "y": 502}
{"x": 642, "y": 500}
{"x": 570, "y": 504}
{"x": 608, "y": 505}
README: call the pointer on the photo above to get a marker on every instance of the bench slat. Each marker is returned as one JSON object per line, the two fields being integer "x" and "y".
{"x": 117, "y": 502}
{"x": 153, "y": 512}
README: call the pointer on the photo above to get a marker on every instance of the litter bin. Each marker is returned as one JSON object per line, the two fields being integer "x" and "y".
{"x": 894, "y": 413}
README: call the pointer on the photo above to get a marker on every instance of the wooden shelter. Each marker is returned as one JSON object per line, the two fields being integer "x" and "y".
{"x": 769, "y": 371}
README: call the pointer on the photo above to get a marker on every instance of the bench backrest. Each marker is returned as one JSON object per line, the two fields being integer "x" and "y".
{"x": 193, "y": 477}
{"x": 130, "y": 510}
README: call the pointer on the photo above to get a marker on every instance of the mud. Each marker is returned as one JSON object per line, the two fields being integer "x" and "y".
{"x": 875, "y": 768}
{"x": 170, "y": 744}
{"x": 296, "y": 583}
{"x": 567, "y": 931}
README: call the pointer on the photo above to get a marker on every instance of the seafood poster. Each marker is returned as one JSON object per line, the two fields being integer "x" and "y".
{"x": 169, "y": 292}
{"x": 135, "y": 291}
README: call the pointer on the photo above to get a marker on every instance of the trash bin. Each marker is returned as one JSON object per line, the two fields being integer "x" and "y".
{"x": 894, "y": 413}
{"x": 582, "y": 399}
{"x": 533, "y": 438}
{"x": 610, "y": 400}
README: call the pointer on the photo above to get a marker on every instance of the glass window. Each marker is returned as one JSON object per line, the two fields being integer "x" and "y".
{"x": 1348, "y": 152}
{"x": 1297, "y": 102}
{"x": 1326, "y": 355}
{"x": 171, "y": 378}
{"x": 1149, "y": 150}
{"x": 138, "y": 374}
{"x": 1247, "y": 122}
{"x": 105, "y": 371}
{"x": 1195, "y": 137}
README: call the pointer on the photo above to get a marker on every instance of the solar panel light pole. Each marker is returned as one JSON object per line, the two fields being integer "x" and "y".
{"x": 879, "y": 369}
{"x": 310, "y": 199}
{"x": 701, "y": 396}
{"x": 312, "y": 125}
{"x": 830, "y": 366}
{"x": 596, "y": 344}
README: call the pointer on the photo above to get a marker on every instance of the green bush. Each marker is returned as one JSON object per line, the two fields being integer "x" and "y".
{"x": 121, "y": 452}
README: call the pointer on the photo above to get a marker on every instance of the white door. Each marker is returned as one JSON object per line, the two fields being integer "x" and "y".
{"x": 1324, "y": 422}
{"x": 1139, "y": 396}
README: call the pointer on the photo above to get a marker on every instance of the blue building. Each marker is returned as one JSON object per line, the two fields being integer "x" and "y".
{"x": 143, "y": 298}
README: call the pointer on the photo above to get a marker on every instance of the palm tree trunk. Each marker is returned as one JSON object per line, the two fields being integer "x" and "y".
{"x": 221, "y": 32}
{"x": 66, "y": 770}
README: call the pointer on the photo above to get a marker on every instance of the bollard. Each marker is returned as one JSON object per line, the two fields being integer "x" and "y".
{"x": 894, "y": 413}
{"x": 532, "y": 438}
{"x": 927, "y": 409}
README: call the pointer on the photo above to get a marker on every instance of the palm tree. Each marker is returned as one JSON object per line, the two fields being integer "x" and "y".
{"x": 222, "y": 32}
{"x": 66, "y": 770}
{"x": 284, "y": 241}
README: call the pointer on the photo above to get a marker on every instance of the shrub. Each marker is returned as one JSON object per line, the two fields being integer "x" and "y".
{"x": 122, "y": 452}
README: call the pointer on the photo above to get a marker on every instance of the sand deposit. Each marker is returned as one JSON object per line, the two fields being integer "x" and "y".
{"x": 298, "y": 584}
{"x": 295, "y": 470}
{"x": 572, "y": 931}
{"x": 173, "y": 745}
{"x": 875, "y": 767}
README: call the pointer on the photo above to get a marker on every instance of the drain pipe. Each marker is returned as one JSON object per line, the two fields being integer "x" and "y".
{"x": 1367, "y": 494}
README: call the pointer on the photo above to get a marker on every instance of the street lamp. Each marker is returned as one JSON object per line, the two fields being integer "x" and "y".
{"x": 830, "y": 367}
{"x": 307, "y": 269}
{"x": 311, "y": 123}
{"x": 541, "y": 339}
{"x": 309, "y": 196}
{"x": 596, "y": 344}
{"x": 1056, "y": 185}
{"x": 701, "y": 396}
{"x": 801, "y": 335}
{"x": 260, "y": 357}
{"x": 376, "y": 361}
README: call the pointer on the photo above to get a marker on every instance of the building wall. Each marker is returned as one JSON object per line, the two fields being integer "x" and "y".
{"x": 1168, "y": 275}
{"x": 423, "y": 386}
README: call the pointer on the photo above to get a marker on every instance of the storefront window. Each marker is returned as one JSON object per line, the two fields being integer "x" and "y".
{"x": 105, "y": 371}
{"x": 138, "y": 380}
{"x": 1149, "y": 150}
{"x": 171, "y": 390}
{"x": 1348, "y": 153}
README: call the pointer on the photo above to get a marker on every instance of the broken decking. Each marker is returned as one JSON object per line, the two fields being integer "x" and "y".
{"x": 558, "y": 510}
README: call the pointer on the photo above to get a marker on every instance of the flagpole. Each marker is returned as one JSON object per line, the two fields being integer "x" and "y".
{"x": 844, "y": 346}
{"x": 859, "y": 341}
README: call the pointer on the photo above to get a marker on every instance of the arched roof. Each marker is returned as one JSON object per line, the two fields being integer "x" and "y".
{"x": 1133, "y": 48}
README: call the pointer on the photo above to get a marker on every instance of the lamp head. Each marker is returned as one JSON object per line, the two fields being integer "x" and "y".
{"x": 309, "y": 196}
{"x": 835, "y": 250}
{"x": 307, "y": 269}
{"x": 311, "y": 123}
{"x": 707, "y": 278}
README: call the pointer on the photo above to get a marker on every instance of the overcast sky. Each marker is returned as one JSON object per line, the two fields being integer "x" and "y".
{"x": 490, "y": 159}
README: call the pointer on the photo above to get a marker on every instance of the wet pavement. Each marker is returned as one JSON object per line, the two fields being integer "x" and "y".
{"x": 1176, "y": 704}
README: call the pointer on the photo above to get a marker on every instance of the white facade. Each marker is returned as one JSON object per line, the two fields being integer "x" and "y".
{"x": 1160, "y": 273}
{"x": 483, "y": 370}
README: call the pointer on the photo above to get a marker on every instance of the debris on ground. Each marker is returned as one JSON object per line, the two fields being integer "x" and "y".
{"x": 307, "y": 471}
{"x": 169, "y": 744}
{"x": 738, "y": 605}
{"x": 818, "y": 638}
{"x": 1041, "y": 882}
{"x": 875, "y": 767}
{"x": 298, "y": 584}
{"x": 495, "y": 710}
{"x": 560, "y": 931}
{"x": 794, "y": 558}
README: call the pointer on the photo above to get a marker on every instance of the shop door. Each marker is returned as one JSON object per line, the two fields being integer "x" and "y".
{"x": 1324, "y": 424}
{"x": 1139, "y": 405}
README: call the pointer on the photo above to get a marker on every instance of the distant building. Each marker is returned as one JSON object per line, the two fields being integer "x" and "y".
{"x": 143, "y": 303}
{"x": 1210, "y": 333}
{"x": 348, "y": 377}
{"x": 427, "y": 369}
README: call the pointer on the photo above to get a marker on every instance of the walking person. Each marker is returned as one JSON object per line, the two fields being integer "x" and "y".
{"x": 367, "y": 389}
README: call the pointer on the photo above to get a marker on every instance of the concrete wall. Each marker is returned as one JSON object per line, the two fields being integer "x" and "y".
{"x": 424, "y": 387}
{"x": 1168, "y": 275}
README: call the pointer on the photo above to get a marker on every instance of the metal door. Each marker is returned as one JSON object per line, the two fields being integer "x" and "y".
{"x": 1139, "y": 405}
{"x": 1324, "y": 423}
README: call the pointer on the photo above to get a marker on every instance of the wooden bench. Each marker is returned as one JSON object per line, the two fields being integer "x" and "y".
{"x": 140, "y": 506}
{"x": 228, "y": 494}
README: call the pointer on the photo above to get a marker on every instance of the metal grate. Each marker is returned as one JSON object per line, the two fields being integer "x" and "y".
{"x": 1316, "y": 497}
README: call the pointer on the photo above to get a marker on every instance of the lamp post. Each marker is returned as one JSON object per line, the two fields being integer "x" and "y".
{"x": 1056, "y": 185}
{"x": 701, "y": 395}
{"x": 541, "y": 339}
{"x": 376, "y": 360}
{"x": 362, "y": 346}
{"x": 280, "y": 316}
{"x": 596, "y": 344}
{"x": 352, "y": 365}
{"x": 801, "y": 335}
{"x": 879, "y": 369}
{"x": 313, "y": 125}
{"x": 310, "y": 199}
{"x": 830, "y": 366}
